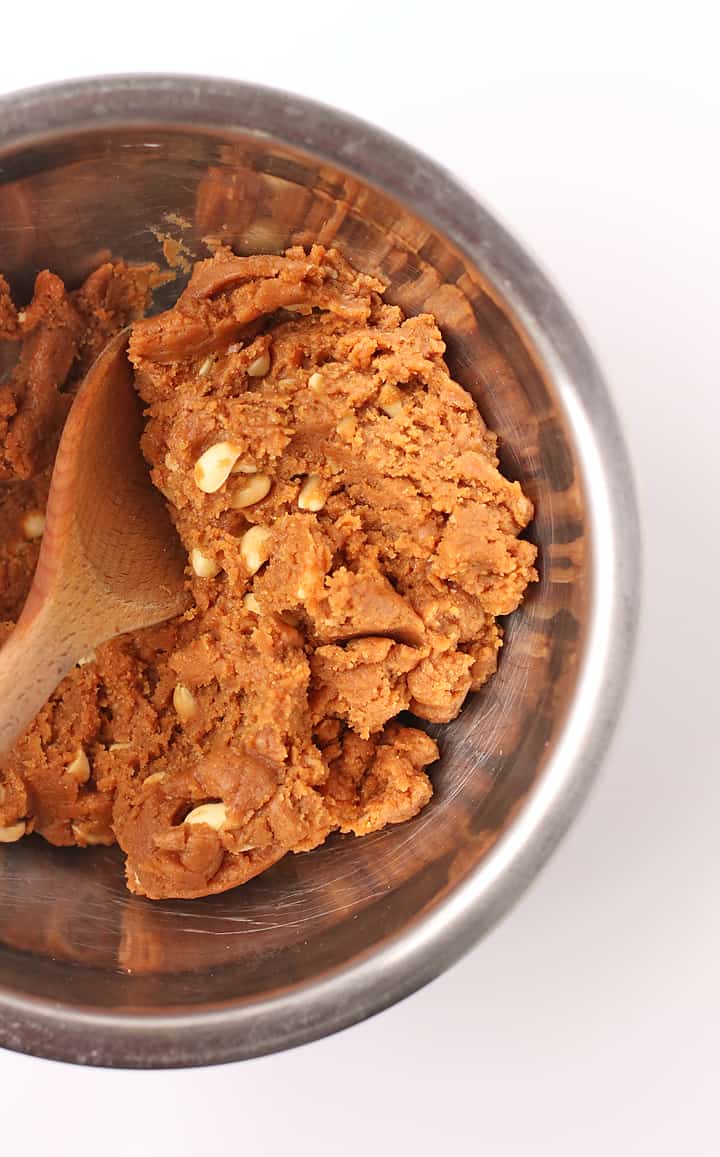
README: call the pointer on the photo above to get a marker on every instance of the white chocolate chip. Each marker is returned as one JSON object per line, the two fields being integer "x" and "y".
{"x": 22, "y": 314}
{"x": 251, "y": 604}
{"x": 203, "y": 566}
{"x": 347, "y": 426}
{"x": 88, "y": 657}
{"x": 316, "y": 383}
{"x": 12, "y": 833}
{"x": 259, "y": 367}
{"x": 212, "y": 814}
{"x": 253, "y": 490}
{"x": 254, "y": 547}
{"x": 33, "y": 524}
{"x": 79, "y": 768}
{"x": 85, "y": 835}
{"x": 184, "y": 702}
{"x": 156, "y": 777}
{"x": 119, "y": 747}
{"x": 213, "y": 468}
{"x": 391, "y": 401}
{"x": 206, "y": 366}
{"x": 311, "y": 495}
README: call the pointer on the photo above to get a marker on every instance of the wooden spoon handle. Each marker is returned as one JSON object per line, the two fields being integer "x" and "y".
{"x": 38, "y": 654}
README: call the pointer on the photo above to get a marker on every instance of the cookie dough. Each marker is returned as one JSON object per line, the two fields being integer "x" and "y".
{"x": 350, "y": 543}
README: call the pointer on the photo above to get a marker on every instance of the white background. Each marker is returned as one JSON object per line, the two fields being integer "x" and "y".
{"x": 588, "y": 1023}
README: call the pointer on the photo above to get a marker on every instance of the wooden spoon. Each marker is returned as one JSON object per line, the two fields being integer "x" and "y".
{"x": 110, "y": 560}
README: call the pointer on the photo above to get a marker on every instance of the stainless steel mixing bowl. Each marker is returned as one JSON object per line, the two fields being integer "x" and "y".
{"x": 91, "y": 974}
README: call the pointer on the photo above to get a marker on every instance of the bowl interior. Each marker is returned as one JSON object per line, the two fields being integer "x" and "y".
{"x": 69, "y": 931}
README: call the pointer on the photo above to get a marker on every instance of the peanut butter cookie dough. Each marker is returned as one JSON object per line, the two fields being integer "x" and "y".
{"x": 350, "y": 544}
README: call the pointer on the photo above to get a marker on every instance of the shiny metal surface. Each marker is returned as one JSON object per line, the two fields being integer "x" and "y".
{"x": 91, "y": 974}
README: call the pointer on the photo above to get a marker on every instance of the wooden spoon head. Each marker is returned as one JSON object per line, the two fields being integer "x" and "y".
{"x": 110, "y": 553}
{"x": 110, "y": 559}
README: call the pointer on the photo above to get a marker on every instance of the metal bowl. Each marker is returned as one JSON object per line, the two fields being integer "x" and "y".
{"x": 91, "y": 974}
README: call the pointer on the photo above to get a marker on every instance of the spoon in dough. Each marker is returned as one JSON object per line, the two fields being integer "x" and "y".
{"x": 110, "y": 560}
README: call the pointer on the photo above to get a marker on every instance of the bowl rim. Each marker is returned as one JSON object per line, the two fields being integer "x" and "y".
{"x": 435, "y": 941}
